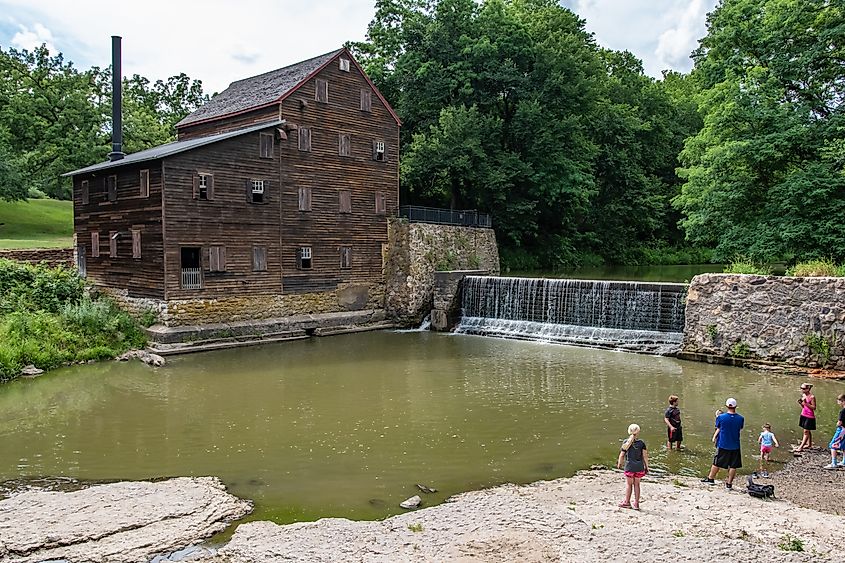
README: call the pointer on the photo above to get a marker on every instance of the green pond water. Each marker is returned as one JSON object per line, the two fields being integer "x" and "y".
{"x": 346, "y": 425}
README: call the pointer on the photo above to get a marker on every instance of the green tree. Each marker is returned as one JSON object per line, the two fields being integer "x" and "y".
{"x": 764, "y": 176}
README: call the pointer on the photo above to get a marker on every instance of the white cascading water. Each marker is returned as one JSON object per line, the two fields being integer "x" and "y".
{"x": 637, "y": 316}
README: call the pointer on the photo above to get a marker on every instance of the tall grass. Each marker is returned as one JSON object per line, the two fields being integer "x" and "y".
{"x": 824, "y": 267}
{"x": 743, "y": 265}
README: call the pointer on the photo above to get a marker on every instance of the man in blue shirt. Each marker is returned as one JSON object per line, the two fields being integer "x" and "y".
{"x": 728, "y": 455}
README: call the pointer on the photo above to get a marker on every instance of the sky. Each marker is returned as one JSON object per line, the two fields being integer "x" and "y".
{"x": 220, "y": 41}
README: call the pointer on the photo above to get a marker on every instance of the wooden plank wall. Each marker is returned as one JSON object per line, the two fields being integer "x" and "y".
{"x": 324, "y": 228}
{"x": 141, "y": 277}
{"x": 228, "y": 124}
{"x": 227, "y": 220}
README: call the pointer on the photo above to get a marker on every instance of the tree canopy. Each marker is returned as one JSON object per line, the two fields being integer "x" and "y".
{"x": 55, "y": 118}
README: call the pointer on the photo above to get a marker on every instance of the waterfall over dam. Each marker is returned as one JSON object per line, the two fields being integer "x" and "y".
{"x": 635, "y": 316}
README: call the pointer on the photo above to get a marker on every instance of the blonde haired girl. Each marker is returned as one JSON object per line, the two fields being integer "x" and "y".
{"x": 635, "y": 454}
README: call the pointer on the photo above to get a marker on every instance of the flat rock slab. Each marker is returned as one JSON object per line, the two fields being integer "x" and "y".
{"x": 567, "y": 520}
{"x": 118, "y": 522}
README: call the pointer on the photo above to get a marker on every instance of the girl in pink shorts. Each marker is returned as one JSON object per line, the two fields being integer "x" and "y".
{"x": 635, "y": 455}
{"x": 766, "y": 440}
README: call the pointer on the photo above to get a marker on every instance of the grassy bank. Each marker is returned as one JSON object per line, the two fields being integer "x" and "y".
{"x": 36, "y": 223}
{"x": 46, "y": 320}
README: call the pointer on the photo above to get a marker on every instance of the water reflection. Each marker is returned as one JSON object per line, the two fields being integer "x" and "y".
{"x": 345, "y": 426}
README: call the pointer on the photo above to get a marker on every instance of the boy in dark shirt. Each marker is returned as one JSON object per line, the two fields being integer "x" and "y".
{"x": 672, "y": 418}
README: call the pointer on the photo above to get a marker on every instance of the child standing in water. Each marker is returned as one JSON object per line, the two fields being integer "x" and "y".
{"x": 672, "y": 418}
{"x": 766, "y": 441}
{"x": 837, "y": 444}
{"x": 635, "y": 454}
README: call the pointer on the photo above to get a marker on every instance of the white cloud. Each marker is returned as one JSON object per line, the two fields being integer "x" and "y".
{"x": 29, "y": 39}
{"x": 660, "y": 32}
{"x": 676, "y": 43}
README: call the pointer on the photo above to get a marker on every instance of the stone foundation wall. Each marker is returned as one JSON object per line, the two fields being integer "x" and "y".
{"x": 52, "y": 256}
{"x": 446, "y": 306}
{"x": 417, "y": 250}
{"x": 797, "y": 321}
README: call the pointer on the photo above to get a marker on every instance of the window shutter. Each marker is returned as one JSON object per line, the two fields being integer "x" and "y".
{"x": 95, "y": 244}
{"x": 249, "y": 190}
{"x": 305, "y": 199}
{"x": 111, "y": 185}
{"x": 136, "y": 243}
{"x": 221, "y": 251}
{"x": 196, "y": 186}
{"x": 85, "y": 192}
{"x": 322, "y": 93}
{"x": 145, "y": 183}
{"x": 345, "y": 201}
{"x": 299, "y": 257}
{"x": 113, "y": 244}
{"x": 259, "y": 258}
{"x": 381, "y": 203}
{"x": 210, "y": 187}
{"x": 305, "y": 139}
{"x": 366, "y": 100}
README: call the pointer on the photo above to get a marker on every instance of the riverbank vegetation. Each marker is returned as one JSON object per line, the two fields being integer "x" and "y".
{"x": 512, "y": 108}
{"x": 47, "y": 320}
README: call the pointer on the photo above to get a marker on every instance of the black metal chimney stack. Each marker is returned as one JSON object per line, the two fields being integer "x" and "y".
{"x": 116, "y": 97}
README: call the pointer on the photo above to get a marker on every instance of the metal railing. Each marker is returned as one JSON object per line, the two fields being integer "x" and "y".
{"x": 465, "y": 217}
{"x": 191, "y": 278}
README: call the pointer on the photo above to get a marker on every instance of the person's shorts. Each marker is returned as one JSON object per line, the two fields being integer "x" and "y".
{"x": 807, "y": 423}
{"x": 839, "y": 432}
{"x": 728, "y": 459}
{"x": 676, "y": 435}
{"x": 637, "y": 474}
{"x": 765, "y": 449}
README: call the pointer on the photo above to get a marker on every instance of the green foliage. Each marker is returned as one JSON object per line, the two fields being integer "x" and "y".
{"x": 819, "y": 347}
{"x": 87, "y": 330}
{"x": 509, "y": 106}
{"x": 42, "y": 223}
{"x": 148, "y": 318}
{"x": 740, "y": 350}
{"x": 764, "y": 176}
{"x": 824, "y": 267}
{"x": 55, "y": 118}
{"x": 790, "y": 543}
{"x": 712, "y": 332}
{"x": 670, "y": 255}
{"x": 744, "y": 265}
{"x": 24, "y": 287}
{"x": 416, "y": 528}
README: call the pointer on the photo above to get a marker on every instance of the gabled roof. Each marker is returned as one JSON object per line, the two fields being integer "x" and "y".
{"x": 170, "y": 149}
{"x": 267, "y": 89}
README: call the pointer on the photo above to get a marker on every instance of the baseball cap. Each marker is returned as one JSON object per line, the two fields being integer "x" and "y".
{"x": 731, "y": 403}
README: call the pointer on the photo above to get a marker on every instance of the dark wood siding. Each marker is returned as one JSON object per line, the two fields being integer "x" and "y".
{"x": 141, "y": 277}
{"x": 228, "y": 220}
{"x": 229, "y": 123}
{"x": 326, "y": 229}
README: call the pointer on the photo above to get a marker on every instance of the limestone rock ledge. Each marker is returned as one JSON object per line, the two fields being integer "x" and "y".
{"x": 117, "y": 522}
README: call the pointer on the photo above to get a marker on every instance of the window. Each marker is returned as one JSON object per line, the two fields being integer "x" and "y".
{"x": 86, "y": 197}
{"x": 345, "y": 257}
{"x": 113, "y": 236}
{"x": 378, "y": 151}
{"x": 136, "y": 243}
{"x": 322, "y": 93}
{"x": 381, "y": 203}
{"x": 366, "y": 100}
{"x": 191, "y": 268}
{"x": 216, "y": 258}
{"x": 344, "y": 144}
{"x": 145, "y": 183}
{"x": 345, "y": 201}
{"x": 255, "y": 191}
{"x": 111, "y": 187}
{"x": 303, "y": 258}
{"x": 305, "y": 139}
{"x": 95, "y": 244}
{"x": 265, "y": 145}
{"x": 203, "y": 186}
{"x": 344, "y": 64}
{"x": 305, "y": 199}
{"x": 259, "y": 258}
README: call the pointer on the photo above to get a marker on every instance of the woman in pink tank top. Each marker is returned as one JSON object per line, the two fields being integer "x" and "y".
{"x": 808, "y": 417}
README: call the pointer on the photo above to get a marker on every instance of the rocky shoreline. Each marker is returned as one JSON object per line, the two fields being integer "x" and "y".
{"x": 569, "y": 519}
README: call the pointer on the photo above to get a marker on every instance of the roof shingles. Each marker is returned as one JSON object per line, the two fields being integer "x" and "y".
{"x": 257, "y": 91}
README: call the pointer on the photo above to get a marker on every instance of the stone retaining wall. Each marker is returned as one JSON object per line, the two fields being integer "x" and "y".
{"x": 52, "y": 256}
{"x": 417, "y": 250}
{"x": 446, "y": 306}
{"x": 797, "y": 321}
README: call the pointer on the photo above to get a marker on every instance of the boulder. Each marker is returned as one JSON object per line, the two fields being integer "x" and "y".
{"x": 412, "y": 502}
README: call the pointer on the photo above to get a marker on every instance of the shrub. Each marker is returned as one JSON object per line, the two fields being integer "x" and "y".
{"x": 819, "y": 346}
{"x": 24, "y": 287}
{"x": 743, "y": 265}
{"x": 815, "y": 268}
{"x": 790, "y": 543}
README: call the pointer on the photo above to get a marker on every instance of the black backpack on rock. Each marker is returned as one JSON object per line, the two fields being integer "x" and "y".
{"x": 759, "y": 491}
